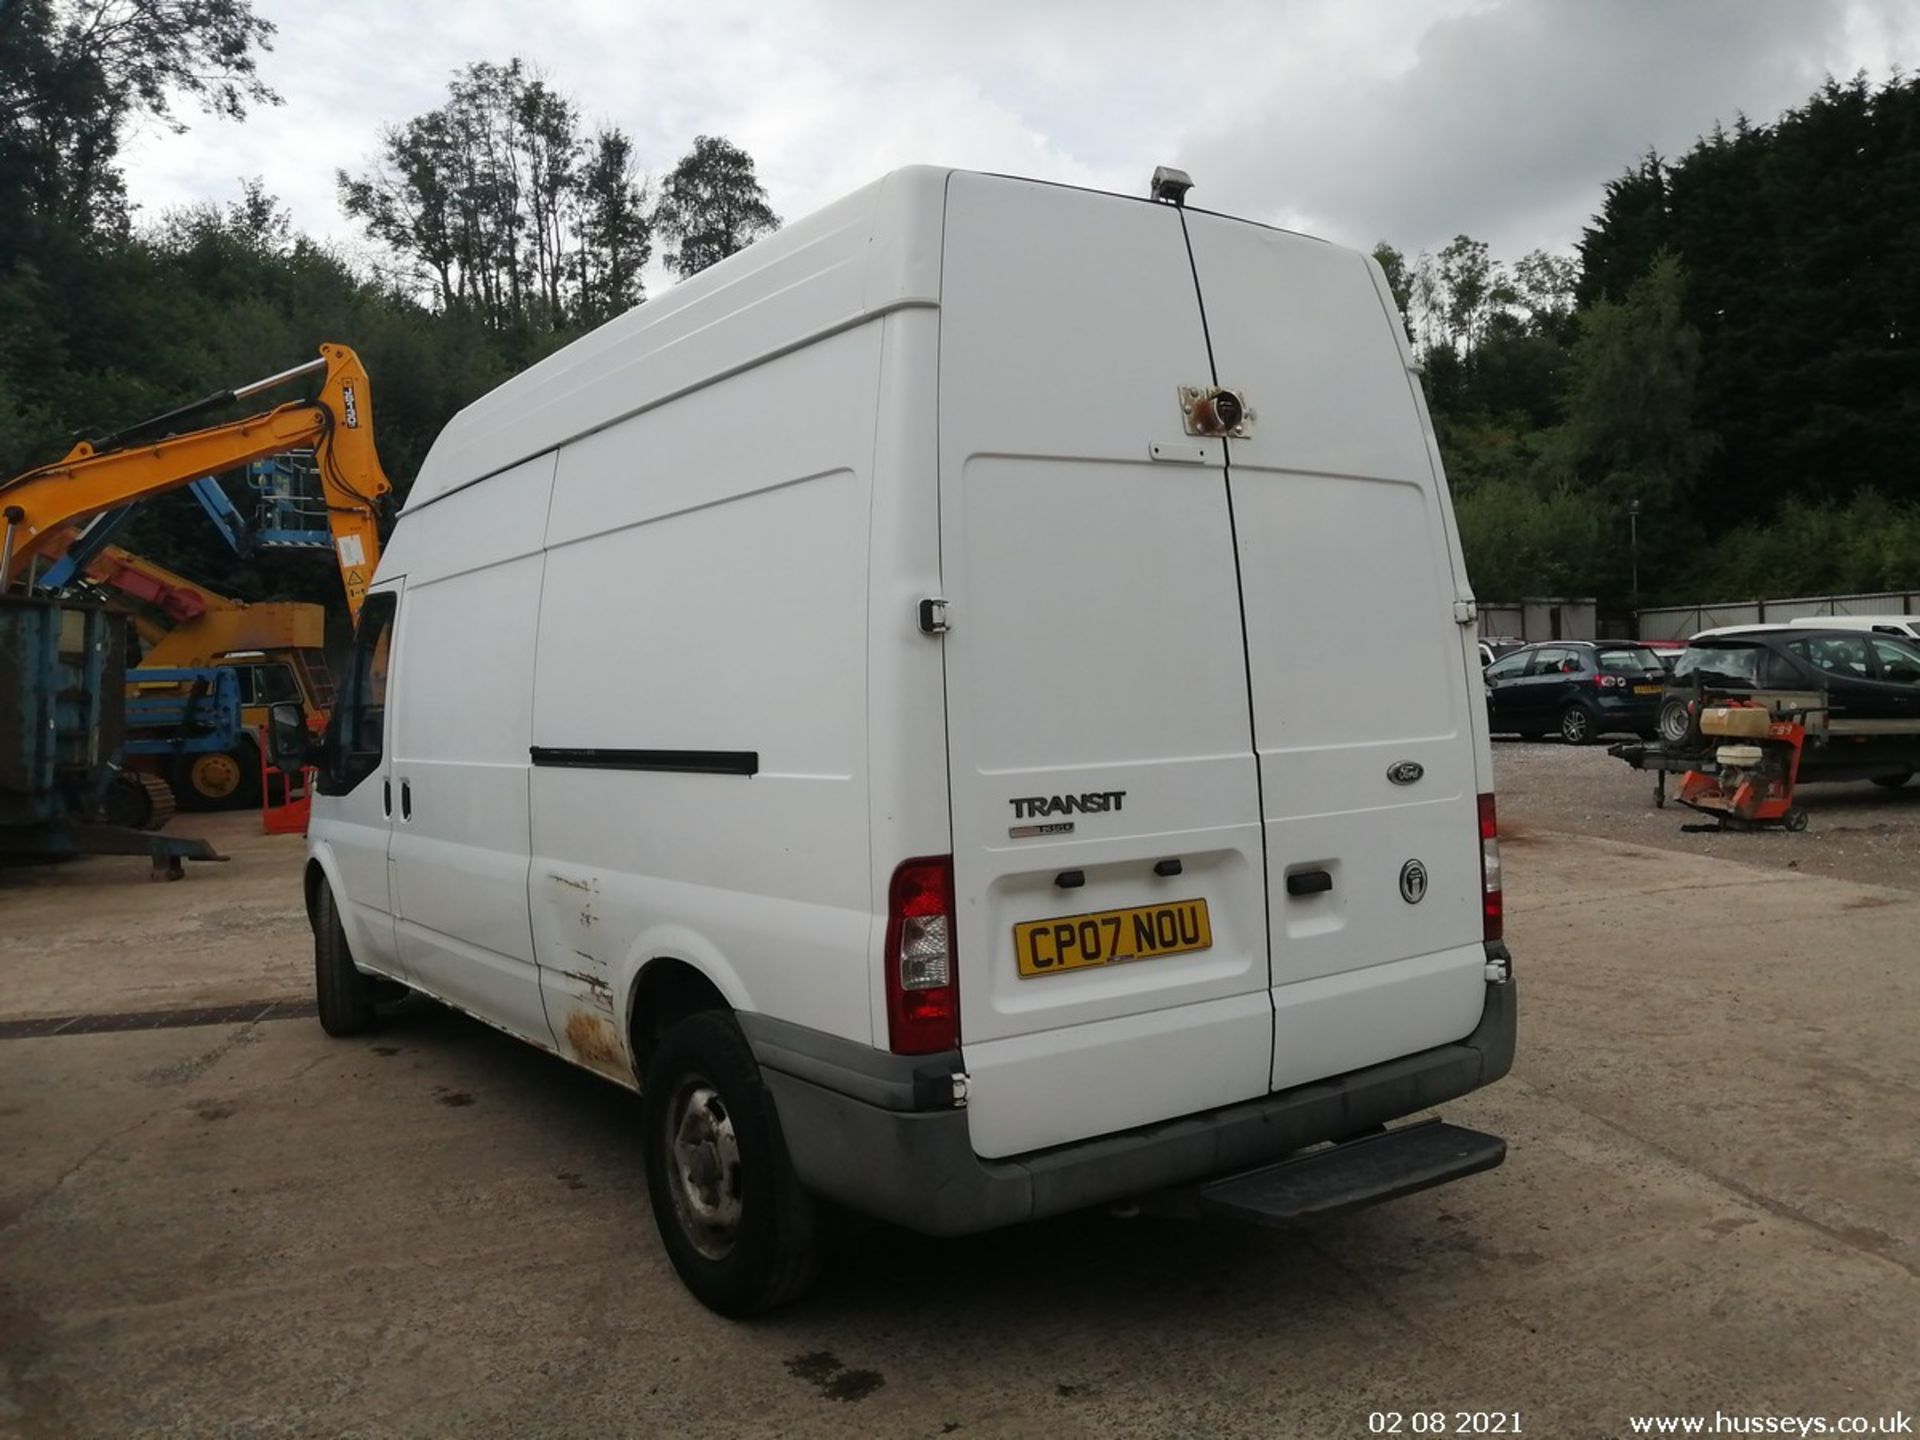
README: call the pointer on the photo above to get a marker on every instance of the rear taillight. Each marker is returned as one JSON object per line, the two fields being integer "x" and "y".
{"x": 923, "y": 988}
{"x": 1610, "y": 682}
{"x": 1492, "y": 915}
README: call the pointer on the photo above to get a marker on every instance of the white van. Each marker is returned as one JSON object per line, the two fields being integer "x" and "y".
{"x": 971, "y": 705}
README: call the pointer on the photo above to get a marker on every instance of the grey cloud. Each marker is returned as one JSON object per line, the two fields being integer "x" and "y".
{"x": 1512, "y": 116}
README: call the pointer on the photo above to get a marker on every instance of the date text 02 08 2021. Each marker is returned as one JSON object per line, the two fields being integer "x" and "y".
{"x": 1444, "y": 1422}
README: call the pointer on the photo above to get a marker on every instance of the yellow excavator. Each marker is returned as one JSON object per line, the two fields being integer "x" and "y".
{"x": 273, "y": 651}
{"x": 41, "y": 509}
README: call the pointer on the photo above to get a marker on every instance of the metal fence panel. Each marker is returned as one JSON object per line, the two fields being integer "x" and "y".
{"x": 1680, "y": 622}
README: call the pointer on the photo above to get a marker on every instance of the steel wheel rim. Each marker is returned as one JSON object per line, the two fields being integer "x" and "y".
{"x": 703, "y": 1164}
{"x": 216, "y": 776}
{"x": 1673, "y": 723}
{"x": 1574, "y": 726}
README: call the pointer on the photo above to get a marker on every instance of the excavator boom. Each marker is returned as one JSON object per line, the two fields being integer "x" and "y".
{"x": 39, "y": 508}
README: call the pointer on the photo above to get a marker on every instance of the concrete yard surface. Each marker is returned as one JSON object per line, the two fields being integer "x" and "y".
{"x": 253, "y": 1230}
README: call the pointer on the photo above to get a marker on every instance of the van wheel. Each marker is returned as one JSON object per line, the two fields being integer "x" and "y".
{"x": 345, "y": 998}
{"x": 1892, "y": 782}
{"x": 1576, "y": 726}
{"x": 740, "y": 1231}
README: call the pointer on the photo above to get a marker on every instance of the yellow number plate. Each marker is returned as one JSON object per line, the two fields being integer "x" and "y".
{"x": 1646, "y": 689}
{"x": 1107, "y": 937}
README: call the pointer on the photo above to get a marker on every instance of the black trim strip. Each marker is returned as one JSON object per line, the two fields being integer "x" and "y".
{"x": 690, "y": 762}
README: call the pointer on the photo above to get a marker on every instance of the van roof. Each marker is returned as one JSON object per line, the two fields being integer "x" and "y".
{"x": 874, "y": 251}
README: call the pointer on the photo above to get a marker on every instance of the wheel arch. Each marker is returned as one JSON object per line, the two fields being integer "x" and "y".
{"x": 666, "y": 989}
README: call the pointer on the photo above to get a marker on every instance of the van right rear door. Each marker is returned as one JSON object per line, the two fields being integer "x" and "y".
{"x": 1363, "y": 680}
{"x": 1111, "y": 923}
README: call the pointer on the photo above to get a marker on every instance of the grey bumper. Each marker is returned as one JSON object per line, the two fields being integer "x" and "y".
{"x": 859, "y": 1126}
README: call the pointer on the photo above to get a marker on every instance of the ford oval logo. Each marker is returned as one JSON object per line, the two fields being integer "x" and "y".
{"x": 1406, "y": 772}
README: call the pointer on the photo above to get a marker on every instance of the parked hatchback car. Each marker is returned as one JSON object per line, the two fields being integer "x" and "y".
{"x": 1578, "y": 689}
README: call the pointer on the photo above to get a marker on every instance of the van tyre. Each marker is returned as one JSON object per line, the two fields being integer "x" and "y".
{"x": 1892, "y": 782}
{"x": 1577, "y": 727}
{"x": 740, "y": 1231}
{"x": 345, "y": 997}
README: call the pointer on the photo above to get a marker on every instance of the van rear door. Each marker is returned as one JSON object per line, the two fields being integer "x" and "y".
{"x": 1111, "y": 918}
{"x": 1358, "y": 668}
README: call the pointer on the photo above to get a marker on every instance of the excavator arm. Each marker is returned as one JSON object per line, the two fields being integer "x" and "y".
{"x": 39, "y": 508}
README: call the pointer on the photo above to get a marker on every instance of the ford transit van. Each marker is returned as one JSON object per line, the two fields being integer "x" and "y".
{"x": 971, "y": 706}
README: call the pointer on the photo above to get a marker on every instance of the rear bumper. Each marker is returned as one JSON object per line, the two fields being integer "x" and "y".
{"x": 857, "y": 1138}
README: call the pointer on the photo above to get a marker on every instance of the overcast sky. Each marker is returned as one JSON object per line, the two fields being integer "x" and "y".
{"x": 1359, "y": 120}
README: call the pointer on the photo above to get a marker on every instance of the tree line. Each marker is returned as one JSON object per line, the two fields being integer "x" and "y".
{"x": 503, "y": 206}
{"x": 1729, "y": 362}
{"x": 1727, "y": 358}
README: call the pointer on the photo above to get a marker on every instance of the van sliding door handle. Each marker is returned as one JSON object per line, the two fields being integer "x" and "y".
{"x": 1309, "y": 882}
{"x": 386, "y": 799}
{"x": 406, "y": 799}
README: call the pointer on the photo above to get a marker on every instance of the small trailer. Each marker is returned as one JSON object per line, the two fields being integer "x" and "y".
{"x": 1744, "y": 755}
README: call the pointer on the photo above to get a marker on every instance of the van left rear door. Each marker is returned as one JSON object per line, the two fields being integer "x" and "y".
{"x": 1106, "y": 832}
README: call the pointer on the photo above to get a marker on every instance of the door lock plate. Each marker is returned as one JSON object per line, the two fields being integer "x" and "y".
{"x": 1215, "y": 410}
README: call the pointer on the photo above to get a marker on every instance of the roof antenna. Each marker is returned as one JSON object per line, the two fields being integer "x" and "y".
{"x": 1170, "y": 185}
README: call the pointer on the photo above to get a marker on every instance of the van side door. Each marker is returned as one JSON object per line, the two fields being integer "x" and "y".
{"x": 461, "y": 740}
{"x": 353, "y": 816}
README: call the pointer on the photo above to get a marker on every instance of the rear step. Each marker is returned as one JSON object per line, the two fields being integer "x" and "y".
{"x": 1357, "y": 1173}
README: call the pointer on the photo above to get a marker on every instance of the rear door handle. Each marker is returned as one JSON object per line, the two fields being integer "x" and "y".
{"x": 386, "y": 798}
{"x": 406, "y": 799}
{"x": 1309, "y": 882}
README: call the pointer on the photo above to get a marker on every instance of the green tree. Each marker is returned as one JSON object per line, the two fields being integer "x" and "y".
{"x": 711, "y": 205}
{"x": 1801, "y": 240}
{"x": 1630, "y": 427}
{"x": 615, "y": 230}
{"x": 496, "y": 205}
{"x": 1399, "y": 283}
{"x": 74, "y": 72}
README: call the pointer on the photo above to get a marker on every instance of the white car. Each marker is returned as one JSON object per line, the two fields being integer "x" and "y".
{"x": 971, "y": 704}
{"x": 1908, "y": 625}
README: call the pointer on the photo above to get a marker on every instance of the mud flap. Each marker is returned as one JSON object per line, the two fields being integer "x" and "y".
{"x": 1354, "y": 1174}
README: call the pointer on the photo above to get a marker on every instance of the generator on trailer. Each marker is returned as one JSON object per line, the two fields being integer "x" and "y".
{"x": 1755, "y": 763}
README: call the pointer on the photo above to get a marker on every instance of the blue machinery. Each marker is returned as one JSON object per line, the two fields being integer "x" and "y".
{"x": 289, "y": 514}
{"x": 59, "y": 728}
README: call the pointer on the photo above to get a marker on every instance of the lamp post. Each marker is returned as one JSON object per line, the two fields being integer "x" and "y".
{"x": 1633, "y": 525}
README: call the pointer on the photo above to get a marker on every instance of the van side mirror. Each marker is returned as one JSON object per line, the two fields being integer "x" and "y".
{"x": 289, "y": 745}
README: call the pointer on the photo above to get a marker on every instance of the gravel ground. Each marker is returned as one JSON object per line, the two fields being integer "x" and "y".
{"x": 1857, "y": 830}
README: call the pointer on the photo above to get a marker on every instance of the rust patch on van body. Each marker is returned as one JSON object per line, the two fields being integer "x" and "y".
{"x": 595, "y": 1043}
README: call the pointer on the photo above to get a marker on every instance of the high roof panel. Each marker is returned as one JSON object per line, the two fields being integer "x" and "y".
{"x": 874, "y": 251}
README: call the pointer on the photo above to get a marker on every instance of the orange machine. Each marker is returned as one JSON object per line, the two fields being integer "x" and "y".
{"x": 1755, "y": 767}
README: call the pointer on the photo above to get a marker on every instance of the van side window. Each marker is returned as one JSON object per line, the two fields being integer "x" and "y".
{"x": 356, "y": 735}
